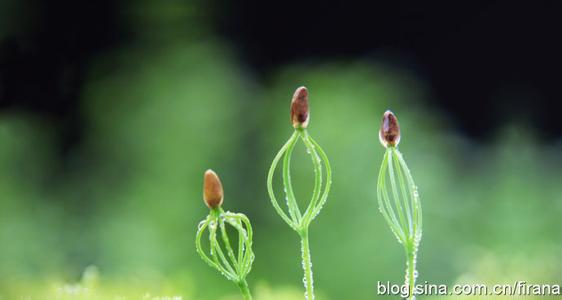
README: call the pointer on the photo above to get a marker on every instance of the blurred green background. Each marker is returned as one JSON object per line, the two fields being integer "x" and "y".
{"x": 117, "y": 215}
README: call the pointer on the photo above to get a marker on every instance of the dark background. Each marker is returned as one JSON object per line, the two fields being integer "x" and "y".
{"x": 486, "y": 62}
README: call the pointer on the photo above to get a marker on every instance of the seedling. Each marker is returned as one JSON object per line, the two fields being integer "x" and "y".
{"x": 297, "y": 220}
{"x": 234, "y": 265}
{"x": 398, "y": 198}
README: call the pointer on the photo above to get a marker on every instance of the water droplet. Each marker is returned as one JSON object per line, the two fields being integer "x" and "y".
{"x": 287, "y": 200}
{"x": 201, "y": 224}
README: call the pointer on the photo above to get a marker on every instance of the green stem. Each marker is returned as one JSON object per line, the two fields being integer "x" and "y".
{"x": 411, "y": 271}
{"x": 245, "y": 290}
{"x": 307, "y": 266}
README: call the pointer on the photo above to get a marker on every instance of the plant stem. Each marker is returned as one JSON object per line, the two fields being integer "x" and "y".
{"x": 245, "y": 290}
{"x": 307, "y": 266}
{"x": 411, "y": 271}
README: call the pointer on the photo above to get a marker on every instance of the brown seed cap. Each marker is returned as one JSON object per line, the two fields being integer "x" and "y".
{"x": 299, "y": 108}
{"x": 389, "y": 134}
{"x": 212, "y": 190}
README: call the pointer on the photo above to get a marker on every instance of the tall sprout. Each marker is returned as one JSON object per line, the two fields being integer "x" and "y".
{"x": 299, "y": 221}
{"x": 398, "y": 198}
{"x": 233, "y": 263}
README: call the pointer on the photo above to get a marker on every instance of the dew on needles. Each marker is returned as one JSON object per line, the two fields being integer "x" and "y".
{"x": 222, "y": 257}
{"x": 398, "y": 197}
{"x": 397, "y": 193}
{"x": 297, "y": 220}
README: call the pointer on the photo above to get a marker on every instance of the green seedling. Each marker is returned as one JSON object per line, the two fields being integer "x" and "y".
{"x": 234, "y": 265}
{"x": 297, "y": 220}
{"x": 398, "y": 198}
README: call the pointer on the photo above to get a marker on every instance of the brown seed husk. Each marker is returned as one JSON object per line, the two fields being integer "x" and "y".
{"x": 212, "y": 190}
{"x": 389, "y": 133}
{"x": 299, "y": 108}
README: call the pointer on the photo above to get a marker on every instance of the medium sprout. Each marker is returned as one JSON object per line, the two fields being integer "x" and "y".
{"x": 398, "y": 198}
{"x": 296, "y": 219}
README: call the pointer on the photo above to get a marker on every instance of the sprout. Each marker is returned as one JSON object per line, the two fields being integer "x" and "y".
{"x": 398, "y": 198}
{"x": 300, "y": 220}
{"x": 233, "y": 263}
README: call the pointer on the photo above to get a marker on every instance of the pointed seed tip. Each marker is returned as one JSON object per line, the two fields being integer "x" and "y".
{"x": 301, "y": 93}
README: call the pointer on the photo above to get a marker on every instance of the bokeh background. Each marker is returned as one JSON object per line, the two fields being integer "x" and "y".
{"x": 110, "y": 112}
